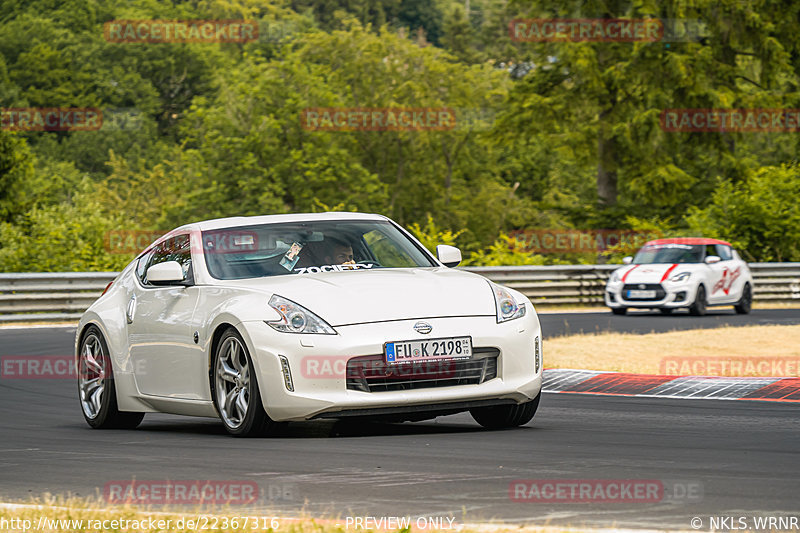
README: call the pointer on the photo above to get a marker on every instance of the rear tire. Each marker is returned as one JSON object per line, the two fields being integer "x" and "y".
{"x": 96, "y": 388}
{"x": 698, "y": 308}
{"x": 619, "y": 310}
{"x": 235, "y": 389}
{"x": 745, "y": 304}
{"x": 506, "y": 416}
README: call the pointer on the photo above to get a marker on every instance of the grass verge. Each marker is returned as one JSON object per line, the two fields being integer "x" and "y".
{"x": 57, "y": 515}
{"x": 747, "y": 351}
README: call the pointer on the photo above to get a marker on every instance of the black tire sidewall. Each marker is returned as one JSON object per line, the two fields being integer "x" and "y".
{"x": 745, "y": 304}
{"x": 108, "y": 403}
{"x": 700, "y": 305}
{"x": 506, "y": 416}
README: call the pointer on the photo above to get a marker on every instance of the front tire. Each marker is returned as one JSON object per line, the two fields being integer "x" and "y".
{"x": 506, "y": 416}
{"x": 235, "y": 389}
{"x": 96, "y": 388}
{"x": 698, "y": 308}
{"x": 745, "y": 304}
{"x": 619, "y": 310}
{"x": 665, "y": 310}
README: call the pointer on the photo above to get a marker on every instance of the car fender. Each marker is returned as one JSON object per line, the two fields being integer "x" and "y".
{"x": 219, "y": 305}
{"x": 108, "y": 314}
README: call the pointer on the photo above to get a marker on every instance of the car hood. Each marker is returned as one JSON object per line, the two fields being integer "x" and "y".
{"x": 354, "y": 297}
{"x": 656, "y": 272}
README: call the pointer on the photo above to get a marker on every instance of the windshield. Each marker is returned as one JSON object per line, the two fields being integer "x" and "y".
{"x": 669, "y": 253}
{"x": 308, "y": 248}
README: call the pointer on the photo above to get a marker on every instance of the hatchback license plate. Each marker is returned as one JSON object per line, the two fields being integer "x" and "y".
{"x": 447, "y": 349}
{"x": 641, "y": 294}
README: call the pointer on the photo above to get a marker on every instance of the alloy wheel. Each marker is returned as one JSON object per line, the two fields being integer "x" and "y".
{"x": 92, "y": 375}
{"x": 232, "y": 382}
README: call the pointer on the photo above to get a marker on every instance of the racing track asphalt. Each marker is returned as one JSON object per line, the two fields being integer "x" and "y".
{"x": 738, "y": 458}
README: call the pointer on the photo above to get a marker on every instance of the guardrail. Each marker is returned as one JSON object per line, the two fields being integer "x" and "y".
{"x": 63, "y": 296}
{"x": 584, "y": 284}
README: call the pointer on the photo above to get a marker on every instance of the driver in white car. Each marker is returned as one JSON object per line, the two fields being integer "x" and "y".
{"x": 338, "y": 253}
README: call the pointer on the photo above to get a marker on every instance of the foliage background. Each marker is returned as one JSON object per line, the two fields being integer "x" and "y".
{"x": 562, "y": 135}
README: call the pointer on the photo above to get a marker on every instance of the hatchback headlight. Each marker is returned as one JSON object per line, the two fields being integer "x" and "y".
{"x": 297, "y": 319}
{"x": 682, "y": 276}
{"x": 507, "y": 307}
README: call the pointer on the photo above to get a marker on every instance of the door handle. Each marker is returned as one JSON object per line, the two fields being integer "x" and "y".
{"x": 131, "y": 309}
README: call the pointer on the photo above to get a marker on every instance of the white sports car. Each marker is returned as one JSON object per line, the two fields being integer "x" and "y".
{"x": 258, "y": 320}
{"x": 694, "y": 273}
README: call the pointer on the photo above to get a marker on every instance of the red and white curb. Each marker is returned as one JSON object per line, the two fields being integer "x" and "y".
{"x": 718, "y": 388}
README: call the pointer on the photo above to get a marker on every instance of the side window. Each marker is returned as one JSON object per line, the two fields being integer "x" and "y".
{"x": 141, "y": 266}
{"x": 710, "y": 250}
{"x": 724, "y": 252}
{"x": 175, "y": 248}
{"x": 386, "y": 251}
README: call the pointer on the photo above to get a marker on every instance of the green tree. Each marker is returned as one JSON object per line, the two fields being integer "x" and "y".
{"x": 759, "y": 214}
{"x": 16, "y": 168}
{"x": 622, "y": 87}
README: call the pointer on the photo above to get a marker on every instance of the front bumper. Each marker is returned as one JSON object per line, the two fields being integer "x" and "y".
{"x": 675, "y": 295}
{"x": 318, "y": 366}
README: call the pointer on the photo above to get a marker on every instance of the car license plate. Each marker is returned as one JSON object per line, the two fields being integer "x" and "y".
{"x": 449, "y": 348}
{"x": 641, "y": 294}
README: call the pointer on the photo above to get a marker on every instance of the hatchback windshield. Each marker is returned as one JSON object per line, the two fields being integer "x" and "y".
{"x": 308, "y": 248}
{"x": 669, "y": 253}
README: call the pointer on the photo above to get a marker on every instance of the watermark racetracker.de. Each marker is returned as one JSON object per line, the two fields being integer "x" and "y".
{"x": 48, "y": 367}
{"x": 377, "y": 118}
{"x": 38, "y": 367}
{"x": 745, "y": 366}
{"x": 586, "y": 30}
{"x": 720, "y": 120}
{"x": 349, "y": 119}
{"x": 578, "y": 30}
{"x": 366, "y": 367}
{"x": 51, "y": 118}
{"x": 558, "y": 240}
{"x": 196, "y": 492}
{"x": 572, "y": 491}
{"x": 180, "y": 31}
{"x": 133, "y": 241}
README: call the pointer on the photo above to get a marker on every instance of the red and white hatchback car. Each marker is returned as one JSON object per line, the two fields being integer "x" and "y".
{"x": 668, "y": 274}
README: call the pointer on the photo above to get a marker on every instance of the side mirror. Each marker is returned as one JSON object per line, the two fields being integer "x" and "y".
{"x": 711, "y": 259}
{"x": 450, "y": 256}
{"x": 627, "y": 260}
{"x": 166, "y": 272}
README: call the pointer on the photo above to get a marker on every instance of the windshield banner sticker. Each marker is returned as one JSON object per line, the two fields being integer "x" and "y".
{"x": 333, "y": 268}
{"x": 669, "y": 245}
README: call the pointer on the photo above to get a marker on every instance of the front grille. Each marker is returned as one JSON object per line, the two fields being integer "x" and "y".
{"x": 370, "y": 373}
{"x": 660, "y": 292}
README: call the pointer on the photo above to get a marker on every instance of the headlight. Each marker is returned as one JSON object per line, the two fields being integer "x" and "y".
{"x": 614, "y": 277}
{"x": 682, "y": 276}
{"x": 507, "y": 307}
{"x": 296, "y": 318}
